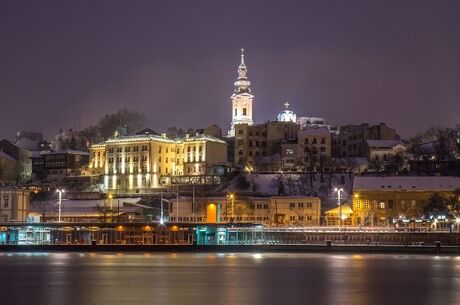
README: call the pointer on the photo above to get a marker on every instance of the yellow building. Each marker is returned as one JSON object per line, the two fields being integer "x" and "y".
{"x": 133, "y": 164}
{"x": 379, "y": 200}
{"x": 270, "y": 211}
{"x": 14, "y": 204}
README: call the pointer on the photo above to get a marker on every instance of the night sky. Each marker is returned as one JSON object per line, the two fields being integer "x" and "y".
{"x": 347, "y": 61}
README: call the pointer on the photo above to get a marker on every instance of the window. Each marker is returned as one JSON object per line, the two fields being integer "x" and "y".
{"x": 127, "y": 149}
{"x": 309, "y": 218}
{"x": 300, "y": 218}
{"x": 413, "y": 204}
{"x": 111, "y": 150}
{"x": 119, "y": 149}
{"x": 300, "y": 205}
{"x": 292, "y": 218}
{"x": 358, "y": 204}
{"x": 403, "y": 204}
{"x": 292, "y": 205}
{"x": 366, "y": 204}
{"x": 309, "y": 204}
{"x": 374, "y": 204}
{"x": 159, "y": 149}
{"x": 236, "y": 111}
{"x": 136, "y": 148}
{"x": 382, "y": 204}
{"x": 240, "y": 131}
{"x": 144, "y": 147}
{"x": 167, "y": 149}
{"x": 6, "y": 201}
{"x": 244, "y": 111}
{"x": 390, "y": 204}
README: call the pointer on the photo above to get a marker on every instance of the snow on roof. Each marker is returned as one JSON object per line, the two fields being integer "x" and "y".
{"x": 314, "y": 131}
{"x": 412, "y": 183}
{"x": 150, "y": 137}
{"x": 86, "y": 207}
{"x": 383, "y": 143}
{"x": 202, "y": 137}
{"x": 6, "y": 156}
{"x": 346, "y": 210}
{"x": 67, "y": 151}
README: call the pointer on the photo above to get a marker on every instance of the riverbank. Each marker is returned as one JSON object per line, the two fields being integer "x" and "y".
{"x": 437, "y": 249}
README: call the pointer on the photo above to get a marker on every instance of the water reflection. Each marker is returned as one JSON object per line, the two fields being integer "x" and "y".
{"x": 228, "y": 278}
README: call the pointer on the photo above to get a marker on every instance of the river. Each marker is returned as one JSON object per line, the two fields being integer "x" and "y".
{"x": 217, "y": 278}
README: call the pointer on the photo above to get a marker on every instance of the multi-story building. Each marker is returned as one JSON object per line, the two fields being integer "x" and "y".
{"x": 8, "y": 169}
{"x": 257, "y": 143}
{"x": 54, "y": 166}
{"x": 314, "y": 148}
{"x": 383, "y": 150}
{"x": 269, "y": 211}
{"x": 14, "y": 204}
{"x": 350, "y": 140}
{"x": 22, "y": 157}
{"x": 379, "y": 200}
{"x": 145, "y": 161}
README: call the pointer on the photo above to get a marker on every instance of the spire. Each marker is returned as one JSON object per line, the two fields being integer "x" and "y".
{"x": 242, "y": 84}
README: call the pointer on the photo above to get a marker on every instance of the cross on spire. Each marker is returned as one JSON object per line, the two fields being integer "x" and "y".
{"x": 286, "y": 105}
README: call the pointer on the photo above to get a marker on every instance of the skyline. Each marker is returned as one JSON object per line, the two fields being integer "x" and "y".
{"x": 100, "y": 57}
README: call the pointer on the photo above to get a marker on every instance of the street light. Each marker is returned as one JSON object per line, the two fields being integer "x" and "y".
{"x": 60, "y": 192}
{"x": 339, "y": 203}
{"x": 232, "y": 198}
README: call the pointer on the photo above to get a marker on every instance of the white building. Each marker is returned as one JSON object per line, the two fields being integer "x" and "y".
{"x": 241, "y": 99}
{"x": 286, "y": 115}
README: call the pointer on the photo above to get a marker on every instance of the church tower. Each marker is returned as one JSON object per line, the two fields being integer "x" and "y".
{"x": 241, "y": 99}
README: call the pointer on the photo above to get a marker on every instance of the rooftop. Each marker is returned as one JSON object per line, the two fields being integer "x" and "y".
{"x": 411, "y": 183}
{"x": 383, "y": 143}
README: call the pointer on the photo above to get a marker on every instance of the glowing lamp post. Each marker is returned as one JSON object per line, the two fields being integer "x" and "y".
{"x": 60, "y": 192}
{"x": 339, "y": 203}
{"x": 232, "y": 200}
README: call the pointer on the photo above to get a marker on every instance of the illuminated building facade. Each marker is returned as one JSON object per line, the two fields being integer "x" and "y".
{"x": 14, "y": 204}
{"x": 379, "y": 200}
{"x": 133, "y": 164}
{"x": 270, "y": 211}
{"x": 241, "y": 99}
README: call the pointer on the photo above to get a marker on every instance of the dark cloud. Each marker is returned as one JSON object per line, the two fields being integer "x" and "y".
{"x": 348, "y": 61}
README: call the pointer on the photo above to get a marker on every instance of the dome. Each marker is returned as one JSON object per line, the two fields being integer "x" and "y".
{"x": 287, "y": 115}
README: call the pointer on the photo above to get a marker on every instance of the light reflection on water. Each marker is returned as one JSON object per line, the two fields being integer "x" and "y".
{"x": 227, "y": 278}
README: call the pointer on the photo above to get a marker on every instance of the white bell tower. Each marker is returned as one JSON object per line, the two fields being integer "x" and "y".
{"x": 241, "y": 99}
